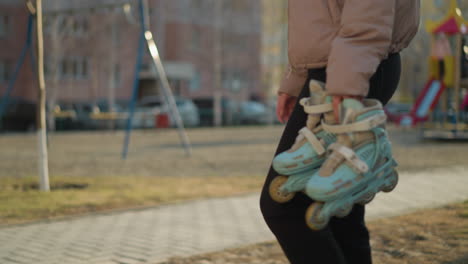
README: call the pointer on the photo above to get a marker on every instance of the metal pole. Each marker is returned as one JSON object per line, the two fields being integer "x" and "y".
{"x": 41, "y": 118}
{"x": 457, "y": 84}
{"x": 157, "y": 63}
{"x": 139, "y": 59}
{"x": 217, "y": 55}
{"x": 112, "y": 70}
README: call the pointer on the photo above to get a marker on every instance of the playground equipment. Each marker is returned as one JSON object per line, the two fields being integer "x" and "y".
{"x": 439, "y": 105}
{"x": 146, "y": 44}
{"x": 146, "y": 39}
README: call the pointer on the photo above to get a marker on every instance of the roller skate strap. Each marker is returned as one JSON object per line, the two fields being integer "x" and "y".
{"x": 315, "y": 109}
{"x": 313, "y": 140}
{"x": 359, "y": 126}
{"x": 353, "y": 160}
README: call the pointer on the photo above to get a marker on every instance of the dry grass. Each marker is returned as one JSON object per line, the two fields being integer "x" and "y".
{"x": 225, "y": 161}
{"x": 429, "y": 236}
{"x": 20, "y": 201}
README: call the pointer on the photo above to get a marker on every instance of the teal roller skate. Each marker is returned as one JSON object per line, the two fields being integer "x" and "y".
{"x": 358, "y": 165}
{"x": 308, "y": 151}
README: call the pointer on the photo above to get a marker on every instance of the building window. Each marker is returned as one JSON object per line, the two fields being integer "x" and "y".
{"x": 117, "y": 77}
{"x": 80, "y": 26}
{"x": 235, "y": 42}
{"x": 195, "y": 43}
{"x": 238, "y": 5}
{"x": 66, "y": 26}
{"x": 46, "y": 24}
{"x": 198, "y": 4}
{"x": 151, "y": 11}
{"x": 4, "y": 25}
{"x": 52, "y": 68}
{"x": 235, "y": 80}
{"x": 195, "y": 83}
{"x": 146, "y": 63}
{"x": 74, "y": 68}
{"x": 5, "y": 71}
{"x": 176, "y": 87}
{"x": 65, "y": 68}
{"x": 82, "y": 68}
{"x": 47, "y": 69}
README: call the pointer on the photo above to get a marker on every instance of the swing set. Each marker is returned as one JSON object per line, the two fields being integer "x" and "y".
{"x": 146, "y": 44}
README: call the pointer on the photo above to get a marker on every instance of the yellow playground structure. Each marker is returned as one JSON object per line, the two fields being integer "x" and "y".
{"x": 442, "y": 106}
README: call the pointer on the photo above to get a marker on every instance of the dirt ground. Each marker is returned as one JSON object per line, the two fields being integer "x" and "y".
{"x": 436, "y": 236}
{"x": 232, "y": 151}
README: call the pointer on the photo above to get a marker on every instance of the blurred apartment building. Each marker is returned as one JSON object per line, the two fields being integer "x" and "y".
{"x": 91, "y": 47}
{"x": 13, "y": 22}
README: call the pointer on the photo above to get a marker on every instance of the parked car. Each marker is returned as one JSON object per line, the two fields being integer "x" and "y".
{"x": 118, "y": 114}
{"x": 145, "y": 115}
{"x": 188, "y": 112}
{"x": 187, "y": 109}
{"x": 253, "y": 113}
{"x": 65, "y": 116}
{"x": 271, "y": 105}
{"x": 230, "y": 111}
{"x": 18, "y": 115}
{"x": 77, "y": 116}
{"x": 84, "y": 119}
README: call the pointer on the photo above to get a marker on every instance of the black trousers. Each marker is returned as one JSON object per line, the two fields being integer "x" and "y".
{"x": 344, "y": 240}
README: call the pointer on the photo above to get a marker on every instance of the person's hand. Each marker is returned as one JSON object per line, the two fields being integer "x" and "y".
{"x": 336, "y": 101}
{"x": 285, "y": 106}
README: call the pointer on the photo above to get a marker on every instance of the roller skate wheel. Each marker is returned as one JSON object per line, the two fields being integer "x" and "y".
{"x": 276, "y": 193}
{"x": 367, "y": 199}
{"x": 312, "y": 217}
{"x": 344, "y": 211}
{"x": 393, "y": 183}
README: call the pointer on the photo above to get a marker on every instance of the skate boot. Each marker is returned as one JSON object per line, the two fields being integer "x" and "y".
{"x": 358, "y": 165}
{"x": 308, "y": 151}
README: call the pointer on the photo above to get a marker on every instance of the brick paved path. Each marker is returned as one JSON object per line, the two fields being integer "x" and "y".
{"x": 153, "y": 235}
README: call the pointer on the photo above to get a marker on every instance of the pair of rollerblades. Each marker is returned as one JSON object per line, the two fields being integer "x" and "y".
{"x": 337, "y": 163}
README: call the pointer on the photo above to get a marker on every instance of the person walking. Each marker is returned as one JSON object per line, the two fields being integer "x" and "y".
{"x": 353, "y": 46}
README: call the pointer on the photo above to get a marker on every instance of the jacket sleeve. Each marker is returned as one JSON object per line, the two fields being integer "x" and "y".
{"x": 362, "y": 42}
{"x": 293, "y": 81}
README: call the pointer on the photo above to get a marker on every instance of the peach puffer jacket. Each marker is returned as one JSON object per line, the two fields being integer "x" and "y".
{"x": 349, "y": 37}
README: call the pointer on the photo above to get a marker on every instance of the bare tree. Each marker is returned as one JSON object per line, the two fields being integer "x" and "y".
{"x": 57, "y": 29}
